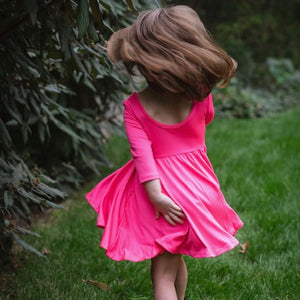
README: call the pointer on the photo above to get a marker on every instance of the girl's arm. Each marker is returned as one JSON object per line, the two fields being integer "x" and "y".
{"x": 141, "y": 149}
{"x": 140, "y": 146}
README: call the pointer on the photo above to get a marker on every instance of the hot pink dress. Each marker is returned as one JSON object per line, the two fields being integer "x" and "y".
{"x": 176, "y": 154}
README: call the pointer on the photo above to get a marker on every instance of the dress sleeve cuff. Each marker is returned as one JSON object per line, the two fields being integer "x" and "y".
{"x": 149, "y": 177}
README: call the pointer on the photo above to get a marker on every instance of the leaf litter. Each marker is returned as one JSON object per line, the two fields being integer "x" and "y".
{"x": 100, "y": 285}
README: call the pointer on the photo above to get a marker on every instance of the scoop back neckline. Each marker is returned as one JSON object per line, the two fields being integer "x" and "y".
{"x": 160, "y": 123}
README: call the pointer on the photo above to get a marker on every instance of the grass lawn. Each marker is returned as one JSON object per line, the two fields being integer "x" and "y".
{"x": 258, "y": 165}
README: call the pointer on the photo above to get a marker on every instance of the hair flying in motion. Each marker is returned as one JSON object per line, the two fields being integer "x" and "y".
{"x": 173, "y": 51}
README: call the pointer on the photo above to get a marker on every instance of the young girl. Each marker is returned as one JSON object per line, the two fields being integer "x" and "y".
{"x": 166, "y": 201}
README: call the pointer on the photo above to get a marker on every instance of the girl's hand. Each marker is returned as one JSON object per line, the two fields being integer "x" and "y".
{"x": 164, "y": 205}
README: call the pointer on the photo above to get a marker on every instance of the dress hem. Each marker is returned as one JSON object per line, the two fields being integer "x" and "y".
{"x": 218, "y": 252}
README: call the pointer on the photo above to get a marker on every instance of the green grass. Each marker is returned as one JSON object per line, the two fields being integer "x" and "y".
{"x": 258, "y": 165}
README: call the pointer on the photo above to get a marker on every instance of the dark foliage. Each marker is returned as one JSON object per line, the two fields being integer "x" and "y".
{"x": 279, "y": 89}
{"x": 252, "y": 31}
{"x": 263, "y": 37}
{"x": 56, "y": 86}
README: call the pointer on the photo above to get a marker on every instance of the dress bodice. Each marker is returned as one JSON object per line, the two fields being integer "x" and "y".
{"x": 167, "y": 140}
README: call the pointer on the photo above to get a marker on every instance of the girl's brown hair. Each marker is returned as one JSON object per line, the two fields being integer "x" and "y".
{"x": 173, "y": 51}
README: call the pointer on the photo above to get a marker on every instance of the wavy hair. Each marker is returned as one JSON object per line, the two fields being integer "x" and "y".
{"x": 173, "y": 51}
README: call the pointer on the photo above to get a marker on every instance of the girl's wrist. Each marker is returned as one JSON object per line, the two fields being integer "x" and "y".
{"x": 153, "y": 188}
{"x": 154, "y": 197}
{"x": 154, "y": 194}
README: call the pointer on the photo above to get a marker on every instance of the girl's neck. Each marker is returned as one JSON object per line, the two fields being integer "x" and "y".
{"x": 166, "y": 98}
{"x": 165, "y": 108}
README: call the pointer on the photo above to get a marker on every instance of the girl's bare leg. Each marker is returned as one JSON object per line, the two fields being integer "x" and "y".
{"x": 181, "y": 279}
{"x": 164, "y": 274}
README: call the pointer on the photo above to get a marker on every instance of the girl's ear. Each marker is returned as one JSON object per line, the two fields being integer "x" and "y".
{"x": 115, "y": 43}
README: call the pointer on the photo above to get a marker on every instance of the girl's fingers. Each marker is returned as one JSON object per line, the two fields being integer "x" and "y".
{"x": 175, "y": 206}
{"x": 169, "y": 220}
{"x": 176, "y": 219}
{"x": 178, "y": 213}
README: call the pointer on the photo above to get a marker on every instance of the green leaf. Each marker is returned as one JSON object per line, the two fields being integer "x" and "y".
{"x": 108, "y": 6}
{"x": 92, "y": 31}
{"x": 25, "y": 168}
{"x": 17, "y": 174}
{"x": 92, "y": 51}
{"x": 53, "y": 192}
{"x": 33, "y": 119}
{"x": 4, "y": 133}
{"x": 26, "y": 245}
{"x": 23, "y": 92}
{"x": 47, "y": 179}
{"x": 26, "y": 232}
{"x": 116, "y": 77}
{"x": 82, "y": 17}
{"x": 97, "y": 14}
{"x": 12, "y": 122}
{"x": 108, "y": 27}
{"x": 92, "y": 131}
{"x": 8, "y": 199}
{"x": 54, "y": 205}
{"x": 88, "y": 65}
{"x": 34, "y": 72}
{"x": 24, "y": 132}
{"x": 45, "y": 98}
{"x": 77, "y": 76}
{"x": 89, "y": 84}
{"x": 15, "y": 114}
{"x": 25, "y": 206}
{"x": 42, "y": 131}
{"x": 66, "y": 36}
{"x": 27, "y": 195}
{"x": 66, "y": 90}
{"x": 58, "y": 89}
{"x": 79, "y": 63}
{"x": 47, "y": 111}
{"x": 105, "y": 5}
{"x": 4, "y": 165}
{"x": 66, "y": 129}
{"x": 16, "y": 94}
{"x": 131, "y": 6}
{"x": 4, "y": 178}
{"x": 99, "y": 68}
{"x": 52, "y": 88}
{"x": 19, "y": 213}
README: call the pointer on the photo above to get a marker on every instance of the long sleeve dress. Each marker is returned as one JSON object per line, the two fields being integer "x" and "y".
{"x": 176, "y": 155}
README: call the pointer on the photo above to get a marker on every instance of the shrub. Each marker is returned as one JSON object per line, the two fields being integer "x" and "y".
{"x": 277, "y": 90}
{"x": 56, "y": 86}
